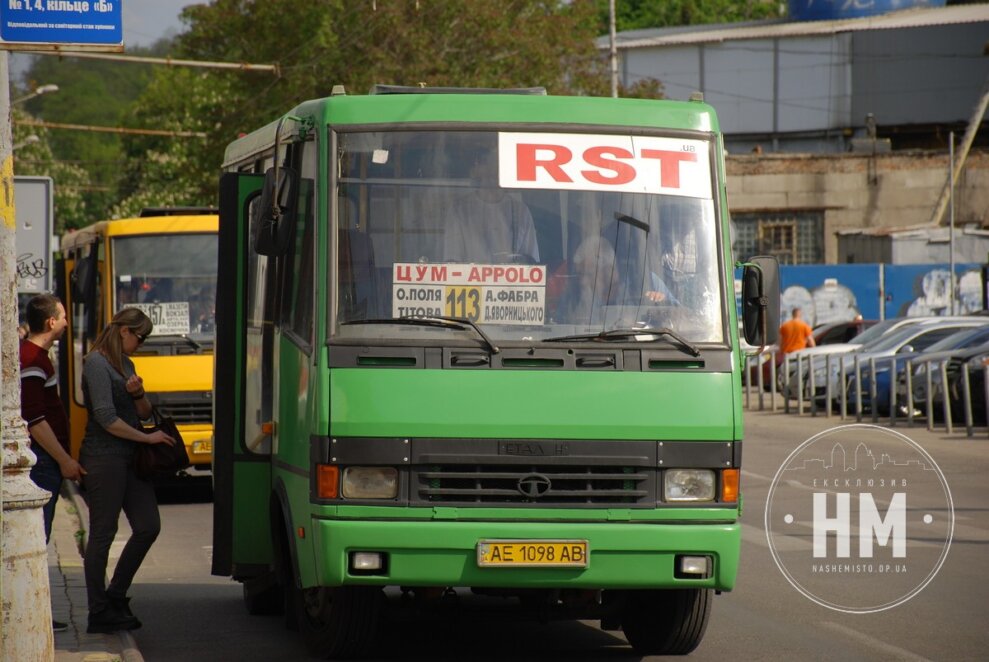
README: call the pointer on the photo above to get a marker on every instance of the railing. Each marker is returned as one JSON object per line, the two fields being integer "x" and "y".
{"x": 843, "y": 385}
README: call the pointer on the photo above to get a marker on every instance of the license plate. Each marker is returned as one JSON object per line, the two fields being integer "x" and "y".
{"x": 532, "y": 553}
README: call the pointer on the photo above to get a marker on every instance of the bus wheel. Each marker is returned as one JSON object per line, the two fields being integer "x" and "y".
{"x": 666, "y": 622}
{"x": 338, "y": 622}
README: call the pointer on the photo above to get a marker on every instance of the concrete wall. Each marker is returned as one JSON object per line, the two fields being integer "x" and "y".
{"x": 858, "y": 191}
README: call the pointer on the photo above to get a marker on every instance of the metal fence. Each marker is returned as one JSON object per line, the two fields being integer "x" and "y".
{"x": 843, "y": 386}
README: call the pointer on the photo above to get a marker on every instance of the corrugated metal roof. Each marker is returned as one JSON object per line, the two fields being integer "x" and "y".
{"x": 908, "y": 18}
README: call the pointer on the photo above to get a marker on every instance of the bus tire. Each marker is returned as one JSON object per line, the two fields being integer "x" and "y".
{"x": 666, "y": 622}
{"x": 339, "y": 622}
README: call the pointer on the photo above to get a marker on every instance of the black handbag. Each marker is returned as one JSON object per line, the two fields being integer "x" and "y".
{"x": 153, "y": 460}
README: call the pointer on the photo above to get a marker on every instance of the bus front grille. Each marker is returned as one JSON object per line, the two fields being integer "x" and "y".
{"x": 535, "y": 485}
{"x": 189, "y": 408}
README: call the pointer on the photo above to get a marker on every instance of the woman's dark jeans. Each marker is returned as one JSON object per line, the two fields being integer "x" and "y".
{"x": 111, "y": 486}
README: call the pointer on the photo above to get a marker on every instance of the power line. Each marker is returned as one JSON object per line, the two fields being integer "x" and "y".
{"x": 167, "y": 61}
{"x": 113, "y": 129}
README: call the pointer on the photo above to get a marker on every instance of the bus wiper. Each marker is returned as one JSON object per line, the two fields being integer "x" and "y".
{"x": 437, "y": 321}
{"x": 621, "y": 334}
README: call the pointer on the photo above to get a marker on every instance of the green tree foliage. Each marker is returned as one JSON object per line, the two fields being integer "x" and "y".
{"x": 86, "y": 166}
{"x": 472, "y": 43}
{"x": 639, "y": 14}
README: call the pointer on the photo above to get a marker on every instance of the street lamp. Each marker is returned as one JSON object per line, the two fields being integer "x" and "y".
{"x": 38, "y": 91}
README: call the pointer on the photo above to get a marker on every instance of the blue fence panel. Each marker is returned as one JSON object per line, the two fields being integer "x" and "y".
{"x": 922, "y": 289}
{"x": 831, "y": 292}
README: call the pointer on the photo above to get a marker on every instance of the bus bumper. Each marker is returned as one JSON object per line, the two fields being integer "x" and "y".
{"x": 620, "y": 555}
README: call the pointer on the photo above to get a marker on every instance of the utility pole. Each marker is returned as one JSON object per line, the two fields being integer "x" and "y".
{"x": 613, "y": 48}
{"x": 26, "y": 603}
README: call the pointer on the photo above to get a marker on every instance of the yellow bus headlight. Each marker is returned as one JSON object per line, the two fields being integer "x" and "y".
{"x": 370, "y": 482}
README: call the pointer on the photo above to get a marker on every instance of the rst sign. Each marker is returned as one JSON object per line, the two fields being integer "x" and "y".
{"x": 585, "y": 162}
{"x": 78, "y": 24}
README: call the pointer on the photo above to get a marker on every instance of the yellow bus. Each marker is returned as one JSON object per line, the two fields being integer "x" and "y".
{"x": 164, "y": 262}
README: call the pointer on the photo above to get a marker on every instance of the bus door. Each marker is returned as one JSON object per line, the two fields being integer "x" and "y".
{"x": 243, "y": 381}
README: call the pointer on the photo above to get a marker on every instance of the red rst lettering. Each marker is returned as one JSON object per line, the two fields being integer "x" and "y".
{"x": 526, "y": 162}
{"x": 595, "y": 156}
{"x": 669, "y": 165}
{"x": 421, "y": 272}
{"x": 403, "y": 273}
{"x": 439, "y": 274}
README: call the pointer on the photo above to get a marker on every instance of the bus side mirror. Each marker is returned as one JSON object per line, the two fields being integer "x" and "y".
{"x": 275, "y": 211}
{"x": 761, "y": 301}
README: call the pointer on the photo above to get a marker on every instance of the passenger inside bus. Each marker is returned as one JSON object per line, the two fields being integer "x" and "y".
{"x": 486, "y": 223}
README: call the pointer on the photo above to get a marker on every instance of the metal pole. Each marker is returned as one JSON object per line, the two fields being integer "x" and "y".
{"x": 800, "y": 385}
{"x": 613, "y": 49}
{"x": 827, "y": 386}
{"x": 909, "y": 382}
{"x": 892, "y": 392}
{"x": 930, "y": 396}
{"x": 842, "y": 383}
{"x": 858, "y": 389}
{"x": 951, "y": 221}
{"x": 945, "y": 399}
{"x": 786, "y": 384}
{"x": 873, "y": 392}
{"x": 27, "y": 625}
{"x": 967, "y": 394}
{"x": 760, "y": 382}
{"x": 772, "y": 380}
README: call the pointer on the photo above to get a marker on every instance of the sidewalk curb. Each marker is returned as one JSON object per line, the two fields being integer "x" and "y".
{"x": 128, "y": 646}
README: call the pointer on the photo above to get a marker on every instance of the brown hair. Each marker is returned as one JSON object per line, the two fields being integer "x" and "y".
{"x": 39, "y": 310}
{"x": 108, "y": 343}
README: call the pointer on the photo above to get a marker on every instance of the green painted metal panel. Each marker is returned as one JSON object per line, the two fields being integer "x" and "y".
{"x": 444, "y": 553}
{"x": 525, "y": 404}
{"x": 684, "y": 115}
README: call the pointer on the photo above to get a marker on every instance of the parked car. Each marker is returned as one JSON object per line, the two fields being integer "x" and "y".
{"x": 889, "y": 371}
{"x": 953, "y": 360}
{"x": 817, "y": 356}
{"x": 824, "y": 334}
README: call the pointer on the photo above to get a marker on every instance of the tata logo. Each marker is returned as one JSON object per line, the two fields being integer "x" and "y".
{"x": 534, "y": 485}
{"x": 532, "y": 448}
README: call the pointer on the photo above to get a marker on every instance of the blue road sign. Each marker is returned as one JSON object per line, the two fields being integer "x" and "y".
{"x": 86, "y": 22}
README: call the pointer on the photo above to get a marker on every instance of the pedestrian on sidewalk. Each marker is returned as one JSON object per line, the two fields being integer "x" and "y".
{"x": 47, "y": 424}
{"x": 795, "y": 334}
{"x": 116, "y": 404}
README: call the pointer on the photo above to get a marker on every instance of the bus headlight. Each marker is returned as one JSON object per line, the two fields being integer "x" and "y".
{"x": 688, "y": 485}
{"x": 370, "y": 482}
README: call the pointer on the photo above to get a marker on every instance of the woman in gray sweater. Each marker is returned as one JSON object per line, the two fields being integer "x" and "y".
{"x": 116, "y": 404}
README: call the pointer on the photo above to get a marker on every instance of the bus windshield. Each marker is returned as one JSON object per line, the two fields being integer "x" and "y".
{"x": 172, "y": 278}
{"x": 531, "y": 236}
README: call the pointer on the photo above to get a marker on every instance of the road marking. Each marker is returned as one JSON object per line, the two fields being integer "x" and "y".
{"x": 876, "y": 644}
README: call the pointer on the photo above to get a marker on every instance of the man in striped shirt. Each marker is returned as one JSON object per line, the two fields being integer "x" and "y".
{"x": 41, "y": 407}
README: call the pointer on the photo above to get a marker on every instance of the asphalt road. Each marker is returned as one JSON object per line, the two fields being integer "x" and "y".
{"x": 190, "y": 615}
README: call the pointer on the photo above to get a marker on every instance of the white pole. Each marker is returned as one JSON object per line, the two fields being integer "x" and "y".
{"x": 24, "y": 591}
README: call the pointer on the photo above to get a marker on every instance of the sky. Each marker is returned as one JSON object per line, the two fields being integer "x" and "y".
{"x": 146, "y": 21}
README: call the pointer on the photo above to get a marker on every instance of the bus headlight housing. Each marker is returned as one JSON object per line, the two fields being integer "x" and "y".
{"x": 689, "y": 485}
{"x": 370, "y": 483}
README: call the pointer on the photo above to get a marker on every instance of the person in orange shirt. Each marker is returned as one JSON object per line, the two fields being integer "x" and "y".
{"x": 795, "y": 334}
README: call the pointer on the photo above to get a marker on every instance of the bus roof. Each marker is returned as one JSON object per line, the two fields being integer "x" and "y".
{"x": 143, "y": 225}
{"x": 391, "y": 111}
